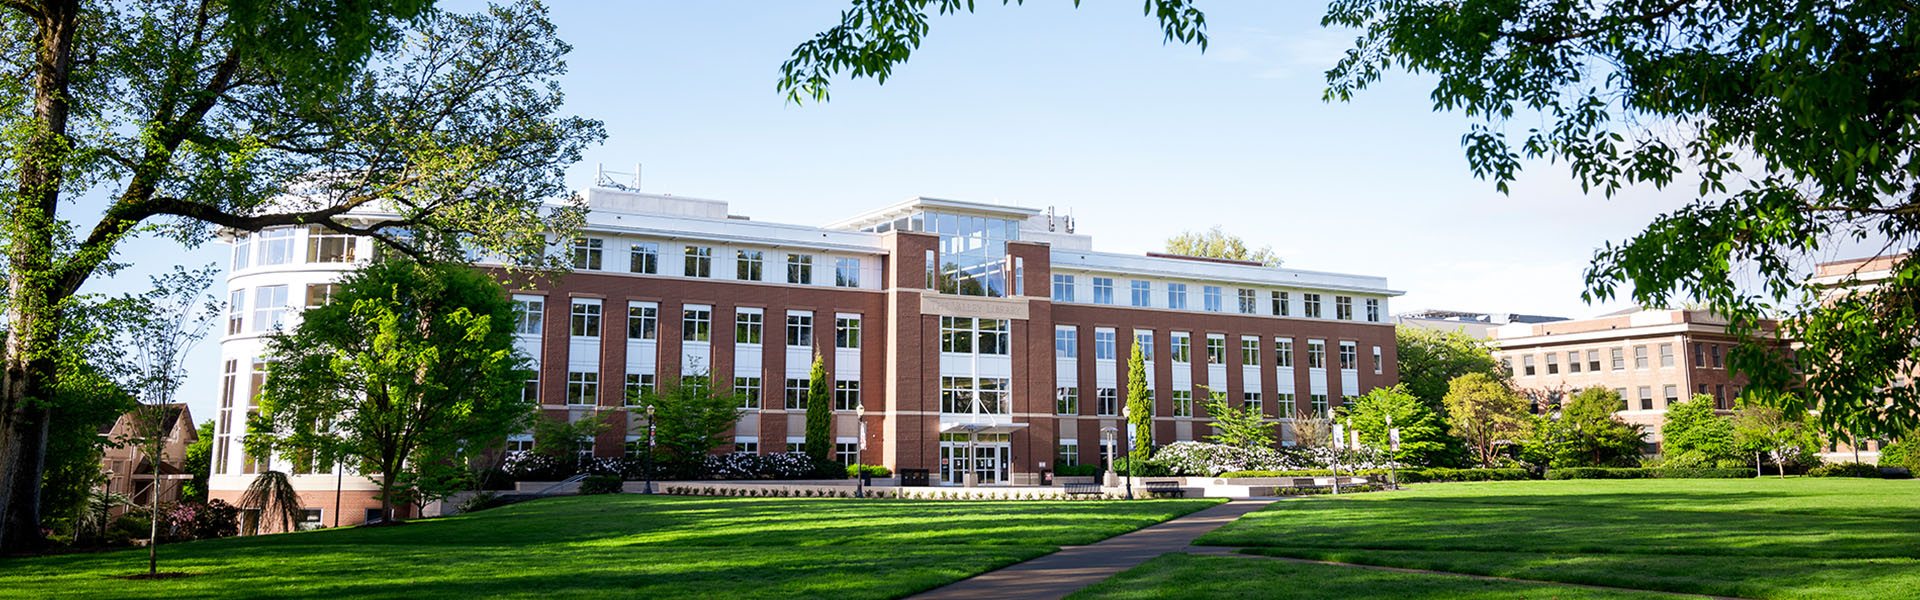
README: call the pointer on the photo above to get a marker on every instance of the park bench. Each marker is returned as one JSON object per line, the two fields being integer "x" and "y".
{"x": 1084, "y": 489}
{"x": 1170, "y": 488}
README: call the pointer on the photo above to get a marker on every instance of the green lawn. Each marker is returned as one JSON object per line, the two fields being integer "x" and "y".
{"x": 1181, "y": 575}
{"x": 605, "y": 546}
{"x": 1797, "y": 538}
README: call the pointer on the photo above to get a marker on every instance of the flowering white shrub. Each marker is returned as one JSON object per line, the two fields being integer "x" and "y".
{"x": 1204, "y": 459}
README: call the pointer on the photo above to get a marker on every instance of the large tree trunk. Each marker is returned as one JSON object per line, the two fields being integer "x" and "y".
{"x": 33, "y": 291}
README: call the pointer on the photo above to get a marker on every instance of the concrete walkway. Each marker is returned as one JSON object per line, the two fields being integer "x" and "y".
{"x": 1065, "y": 572}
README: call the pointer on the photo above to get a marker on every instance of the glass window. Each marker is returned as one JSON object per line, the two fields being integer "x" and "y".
{"x": 1593, "y": 361}
{"x": 1283, "y": 353}
{"x": 1316, "y": 354}
{"x": 993, "y": 336}
{"x": 326, "y": 246}
{"x": 1378, "y": 367}
{"x": 747, "y": 390}
{"x": 799, "y": 330}
{"x": 1103, "y": 290}
{"x": 1066, "y": 342}
{"x": 1251, "y": 400}
{"x": 746, "y": 445}
{"x": 1249, "y": 303}
{"x": 321, "y": 294}
{"x": 1066, "y": 400}
{"x": 800, "y": 268}
{"x": 587, "y": 253}
{"x": 276, "y": 246}
{"x": 846, "y": 332}
{"x": 527, "y": 315}
{"x": 696, "y": 324}
{"x": 797, "y": 393}
{"x": 638, "y": 386}
{"x": 242, "y": 251}
{"x": 1673, "y": 395}
{"x": 1177, "y": 296}
{"x": 1373, "y": 310}
{"x": 1249, "y": 352}
{"x": 1142, "y": 292}
{"x": 1716, "y": 355}
{"x": 847, "y": 452}
{"x": 1108, "y": 401}
{"x": 1283, "y": 404}
{"x": 1646, "y": 397}
{"x": 846, "y": 394}
{"x": 1182, "y": 347}
{"x": 1526, "y": 362}
{"x": 585, "y": 318}
{"x": 1310, "y": 306}
{"x": 645, "y": 258}
{"x": 1343, "y": 308}
{"x": 1062, "y": 288}
{"x": 1183, "y": 403}
{"x": 1067, "y": 453}
{"x": 1103, "y": 344}
{"x": 236, "y": 311}
{"x": 1619, "y": 359}
{"x": 699, "y": 261}
{"x": 269, "y": 307}
{"x": 1640, "y": 357}
{"x": 1210, "y": 295}
{"x": 1280, "y": 308}
{"x": 1666, "y": 355}
{"x": 1143, "y": 339}
{"x": 748, "y": 265}
{"x": 1319, "y": 401}
{"x": 1216, "y": 350}
{"x": 956, "y": 395}
{"x": 846, "y": 272}
{"x": 1348, "y": 356}
{"x": 1553, "y": 363}
{"x": 956, "y": 335}
{"x": 583, "y": 388}
{"x": 748, "y": 327}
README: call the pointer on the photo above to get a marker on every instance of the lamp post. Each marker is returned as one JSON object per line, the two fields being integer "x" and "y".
{"x": 1126, "y": 443}
{"x": 1107, "y": 435}
{"x": 859, "y": 452}
{"x": 649, "y": 466}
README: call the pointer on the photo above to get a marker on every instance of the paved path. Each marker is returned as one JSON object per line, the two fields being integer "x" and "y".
{"x": 1061, "y": 573}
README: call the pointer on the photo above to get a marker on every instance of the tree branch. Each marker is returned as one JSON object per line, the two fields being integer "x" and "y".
{"x": 1541, "y": 39}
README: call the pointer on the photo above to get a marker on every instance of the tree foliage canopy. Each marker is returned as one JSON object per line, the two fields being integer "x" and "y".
{"x": 1139, "y": 404}
{"x": 1487, "y": 414}
{"x": 1241, "y": 427}
{"x": 1217, "y": 243}
{"x": 1429, "y": 360}
{"x": 1583, "y": 432}
{"x": 1796, "y": 120}
{"x": 407, "y": 358}
{"x": 1423, "y": 434}
{"x": 246, "y": 114}
{"x": 1695, "y": 436}
{"x": 691, "y": 416}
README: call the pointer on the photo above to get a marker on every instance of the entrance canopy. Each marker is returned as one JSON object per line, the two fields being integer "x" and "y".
{"x": 979, "y": 427}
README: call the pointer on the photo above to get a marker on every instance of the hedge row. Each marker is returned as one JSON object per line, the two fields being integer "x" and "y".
{"x": 1428, "y": 475}
{"x": 1649, "y": 473}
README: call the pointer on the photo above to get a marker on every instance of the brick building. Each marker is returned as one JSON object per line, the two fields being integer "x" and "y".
{"x": 976, "y": 337}
{"x": 1652, "y": 358}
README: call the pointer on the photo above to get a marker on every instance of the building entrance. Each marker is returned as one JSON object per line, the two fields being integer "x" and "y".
{"x": 987, "y": 457}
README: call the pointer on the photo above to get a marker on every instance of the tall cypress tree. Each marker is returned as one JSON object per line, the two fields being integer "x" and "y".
{"x": 1139, "y": 403}
{"x": 819, "y": 411}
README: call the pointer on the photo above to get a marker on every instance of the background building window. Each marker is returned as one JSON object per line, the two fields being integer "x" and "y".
{"x": 1103, "y": 290}
{"x": 1310, "y": 306}
{"x": 527, "y": 315}
{"x": 1280, "y": 308}
{"x": 1283, "y": 353}
{"x": 1248, "y": 302}
{"x": 1107, "y": 402}
{"x": 585, "y": 319}
{"x": 846, "y": 332}
{"x": 1316, "y": 354}
{"x": 1343, "y": 308}
{"x": 748, "y": 327}
{"x": 748, "y": 265}
{"x": 1182, "y": 348}
{"x": 699, "y": 261}
{"x": 326, "y": 246}
{"x": 269, "y": 307}
{"x": 1062, "y": 288}
{"x": 1177, "y": 296}
{"x": 1349, "y": 356}
{"x": 799, "y": 330}
{"x": 1373, "y": 310}
{"x": 587, "y": 253}
{"x": 1066, "y": 400}
{"x": 583, "y": 388}
{"x": 846, "y": 272}
{"x": 1066, "y": 342}
{"x": 800, "y": 268}
{"x": 644, "y": 258}
{"x": 747, "y": 390}
{"x": 1183, "y": 403}
{"x": 846, "y": 394}
{"x": 1216, "y": 350}
{"x": 796, "y": 394}
{"x": 643, "y": 321}
{"x": 639, "y": 385}
{"x": 1103, "y": 344}
{"x": 1210, "y": 297}
{"x": 1251, "y": 400}
{"x": 1142, "y": 293}
{"x": 696, "y": 324}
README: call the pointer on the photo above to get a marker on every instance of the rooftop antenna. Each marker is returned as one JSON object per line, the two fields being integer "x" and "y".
{"x": 1050, "y": 218}
{"x": 604, "y": 178}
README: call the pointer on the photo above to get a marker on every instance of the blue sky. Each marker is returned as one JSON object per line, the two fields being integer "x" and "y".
{"x": 1085, "y": 110}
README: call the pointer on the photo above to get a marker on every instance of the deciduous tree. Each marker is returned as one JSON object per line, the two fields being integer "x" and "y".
{"x": 1695, "y": 436}
{"x": 1487, "y": 414}
{"x": 1423, "y": 435}
{"x": 247, "y": 114}
{"x": 408, "y": 359}
{"x": 690, "y": 417}
{"x": 1217, "y": 243}
{"x": 1761, "y": 427}
{"x": 1583, "y": 432}
{"x": 1430, "y": 360}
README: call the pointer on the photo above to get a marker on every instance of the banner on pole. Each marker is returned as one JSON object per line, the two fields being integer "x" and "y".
{"x": 1393, "y": 437}
{"x": 1339, "y": 436}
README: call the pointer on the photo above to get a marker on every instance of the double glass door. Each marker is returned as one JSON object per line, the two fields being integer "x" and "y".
{"x": 988, "y": 461}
